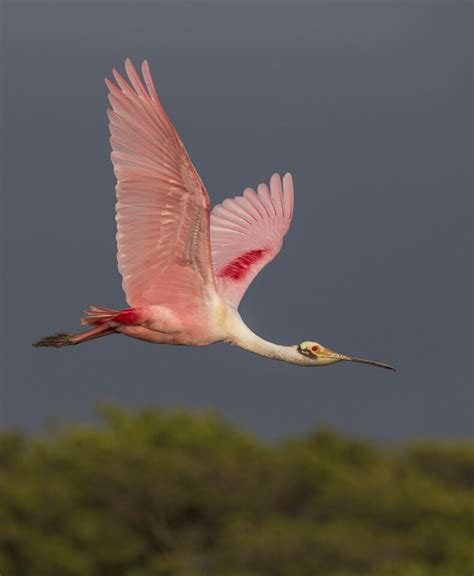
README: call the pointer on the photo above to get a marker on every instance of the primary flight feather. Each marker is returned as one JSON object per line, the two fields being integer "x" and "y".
{"x": 184, "y": 268}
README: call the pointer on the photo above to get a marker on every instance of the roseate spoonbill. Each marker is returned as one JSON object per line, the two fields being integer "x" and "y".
{"x": 184, "y": 267}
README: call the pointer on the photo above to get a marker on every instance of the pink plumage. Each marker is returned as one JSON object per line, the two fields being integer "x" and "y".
{"x": 247, "y": 233}
{"x": 162, "y": 205}
{"x": 184, "y": 269}
{"x": 163, "y": 238}
{"x": 181, "y": 265}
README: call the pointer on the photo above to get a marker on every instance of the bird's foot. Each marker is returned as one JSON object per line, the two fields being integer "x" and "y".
{"x": 57, "y": 340}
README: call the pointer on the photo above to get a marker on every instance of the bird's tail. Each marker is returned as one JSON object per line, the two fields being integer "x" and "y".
{"x": 97, "y": 316}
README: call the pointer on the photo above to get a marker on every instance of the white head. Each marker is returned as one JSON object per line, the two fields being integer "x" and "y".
{"x": 317, "y": 355}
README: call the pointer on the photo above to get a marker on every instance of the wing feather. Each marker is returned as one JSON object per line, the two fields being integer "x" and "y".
{"x": 247, "y": 233}
{"x": 163, "y": 208}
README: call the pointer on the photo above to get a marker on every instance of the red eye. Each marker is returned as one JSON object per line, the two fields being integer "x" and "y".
{"x": 314, "y": 348}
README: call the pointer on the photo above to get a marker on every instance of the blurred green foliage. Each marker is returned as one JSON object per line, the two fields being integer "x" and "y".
{"x": 180, "y": 494}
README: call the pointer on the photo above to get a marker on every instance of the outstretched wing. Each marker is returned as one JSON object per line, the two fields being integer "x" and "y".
{"x": 162, "y": 207}
{"x": 247, "y": 233}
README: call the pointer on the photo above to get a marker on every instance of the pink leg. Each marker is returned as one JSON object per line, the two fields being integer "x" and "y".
{"x": 98, "y": 332}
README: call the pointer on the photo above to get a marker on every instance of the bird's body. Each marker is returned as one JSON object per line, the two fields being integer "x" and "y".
{"x": 185, "y": 269}
{"x": 216, "y": 322}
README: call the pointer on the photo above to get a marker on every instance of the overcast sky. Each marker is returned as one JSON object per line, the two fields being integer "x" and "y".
{"x": 369, "y": 105}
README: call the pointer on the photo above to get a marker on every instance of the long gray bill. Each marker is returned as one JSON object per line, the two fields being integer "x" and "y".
{"x": 371, "y": 362}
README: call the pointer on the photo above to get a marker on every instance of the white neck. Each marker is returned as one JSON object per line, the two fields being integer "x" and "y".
{"x": 240, "y": 335}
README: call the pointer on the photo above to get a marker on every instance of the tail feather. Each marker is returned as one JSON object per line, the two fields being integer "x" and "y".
{"x": 97, "y": 315}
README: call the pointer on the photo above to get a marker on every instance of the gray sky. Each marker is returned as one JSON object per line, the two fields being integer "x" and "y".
{"x": 369, "y": 105}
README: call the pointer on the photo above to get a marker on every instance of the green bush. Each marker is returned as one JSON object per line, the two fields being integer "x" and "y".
{"x": 180, "y": 494}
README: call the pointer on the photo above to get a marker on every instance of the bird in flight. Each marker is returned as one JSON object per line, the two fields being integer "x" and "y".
{"x": 185, "y": 267}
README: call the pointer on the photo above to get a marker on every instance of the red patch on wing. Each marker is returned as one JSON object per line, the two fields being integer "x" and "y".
{"x": 239, "y": 267}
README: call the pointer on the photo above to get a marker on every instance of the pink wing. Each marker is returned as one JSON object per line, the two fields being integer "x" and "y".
{"x": 162, "y": 206}
{"x": 247, "y": 233}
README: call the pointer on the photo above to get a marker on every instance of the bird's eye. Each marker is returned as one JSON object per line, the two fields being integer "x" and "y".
{"x": 314, "y": 348}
